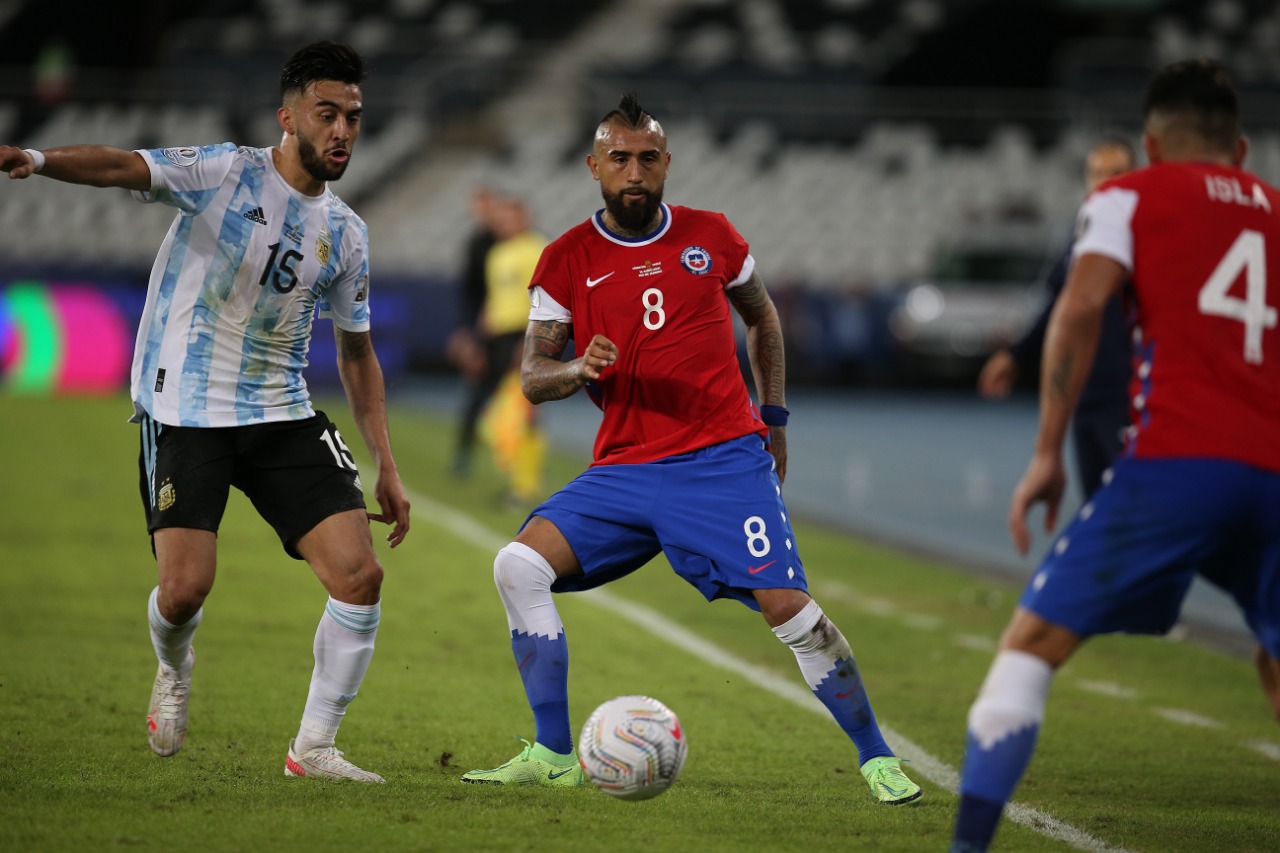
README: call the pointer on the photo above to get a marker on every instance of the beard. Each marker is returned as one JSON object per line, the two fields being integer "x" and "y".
{"x": 630, "y": 213}
{"x": 316, "y": 165}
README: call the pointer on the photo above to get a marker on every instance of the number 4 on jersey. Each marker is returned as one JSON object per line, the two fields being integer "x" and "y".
{"x": 1248, "y": 254}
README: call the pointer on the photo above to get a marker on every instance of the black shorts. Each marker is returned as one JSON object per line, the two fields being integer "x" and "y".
{"x": 296, "y": 473}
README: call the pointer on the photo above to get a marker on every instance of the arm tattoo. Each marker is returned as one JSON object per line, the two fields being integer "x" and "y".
{"x": 771, "y": 366}
{"x": 1060, "y": 376}
{"x": 750, "y": 299}
{"x": 764, "y": 338}
{"x": 546, "y": 338}
{"x": 352, "y": 346}
{"x": 544, "y": 376}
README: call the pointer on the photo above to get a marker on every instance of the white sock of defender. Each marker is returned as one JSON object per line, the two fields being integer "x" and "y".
{"x": 1012, "y": 698}
{"x": 524, "y": 579}
{"x": 815, "y": 651}
{"x": 827, "y": 664}
{"x": 1004, "y": 725}
{"x": 171, "y": 642}
{"x": 541, "y": 650}
{"x": 343, "y": 649}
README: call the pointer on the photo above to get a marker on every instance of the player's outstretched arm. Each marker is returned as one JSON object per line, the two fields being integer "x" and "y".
{"x": 765, "y": 352}
{"x": 543, "y": 376}
{"x": 91, "y": 165}
{"x": 361, "y": 375}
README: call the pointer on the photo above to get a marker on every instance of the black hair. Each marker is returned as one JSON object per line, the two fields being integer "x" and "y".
{"x": 1199, "y": 94}
{"x": 324, "y": 60}
{"x": 629, "y": 113}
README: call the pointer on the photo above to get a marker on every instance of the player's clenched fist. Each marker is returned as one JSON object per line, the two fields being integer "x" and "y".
{"x": 601, "y": 353}
{"x": 17, "y": 162}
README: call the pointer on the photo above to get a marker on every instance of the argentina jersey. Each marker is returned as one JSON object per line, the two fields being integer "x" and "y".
{"x": 247, "y": 261}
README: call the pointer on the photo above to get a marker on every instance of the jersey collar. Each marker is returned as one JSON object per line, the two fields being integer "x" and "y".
{"x": 657, "y": 233}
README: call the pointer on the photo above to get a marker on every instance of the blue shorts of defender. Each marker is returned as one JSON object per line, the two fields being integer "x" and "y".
{"x": 1127, "y": 560}
{"x": 717, "y": 514}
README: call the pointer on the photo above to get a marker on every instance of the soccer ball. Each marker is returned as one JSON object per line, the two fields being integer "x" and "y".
{"x": 632, "y": 747}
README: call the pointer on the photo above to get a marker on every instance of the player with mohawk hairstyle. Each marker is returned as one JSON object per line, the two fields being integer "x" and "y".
{"x": 684, "y": 464}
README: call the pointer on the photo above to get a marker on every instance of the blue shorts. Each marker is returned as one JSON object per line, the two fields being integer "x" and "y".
{"x": 1127, "y": 560}
{"x": 717, "y": 514}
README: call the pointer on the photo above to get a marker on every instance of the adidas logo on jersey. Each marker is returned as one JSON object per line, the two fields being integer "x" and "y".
{"x": 257, "y": 216}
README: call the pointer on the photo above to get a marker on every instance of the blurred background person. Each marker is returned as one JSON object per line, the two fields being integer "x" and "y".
{"x": 510, "y": 427}
{"x": 1098, "y": 428}
{"x": 465, "y": 347}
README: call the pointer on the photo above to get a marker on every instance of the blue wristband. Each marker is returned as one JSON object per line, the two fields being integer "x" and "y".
{"x": 774, "y": 415}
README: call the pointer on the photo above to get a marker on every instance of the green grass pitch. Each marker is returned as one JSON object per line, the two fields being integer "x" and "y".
{"x": 1149, "y": 745}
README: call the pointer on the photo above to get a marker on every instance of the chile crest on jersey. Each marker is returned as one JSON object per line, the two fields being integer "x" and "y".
{"x": 696, "y": 260}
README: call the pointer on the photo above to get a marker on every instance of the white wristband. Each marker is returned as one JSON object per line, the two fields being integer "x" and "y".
{"x": 37, "y": 156}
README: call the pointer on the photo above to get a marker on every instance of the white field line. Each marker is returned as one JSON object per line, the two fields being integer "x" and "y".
{"x": 1107, "y": 688}
{"x": 925, "y": 622}
{"x": 1188, "y": 718}
{"x": 1265, "y": 747}
{"x": 935, "y": 770}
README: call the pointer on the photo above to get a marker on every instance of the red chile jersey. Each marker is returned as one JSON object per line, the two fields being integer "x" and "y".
{"x": 1202, "y": 246}
{"x": 676, "y": 386}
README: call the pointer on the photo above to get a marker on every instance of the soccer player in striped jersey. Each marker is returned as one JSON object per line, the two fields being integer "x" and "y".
{"x": 684, "y": 465}
{"x": 1194, "y": 241}
{"x": 259, "y": 243}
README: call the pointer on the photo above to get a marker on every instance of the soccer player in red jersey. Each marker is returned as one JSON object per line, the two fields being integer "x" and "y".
{"x": 1194, "y": 240}
{"x": 685, "y": 464}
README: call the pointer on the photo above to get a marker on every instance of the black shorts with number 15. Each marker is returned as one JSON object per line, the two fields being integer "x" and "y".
{"x": 296, "y": 473}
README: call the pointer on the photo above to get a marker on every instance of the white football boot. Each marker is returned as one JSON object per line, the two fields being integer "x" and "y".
{"x": 326, "y": 763}
{"x": 167, "y": 715}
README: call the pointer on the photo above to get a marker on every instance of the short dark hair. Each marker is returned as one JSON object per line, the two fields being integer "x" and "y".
{"x": 629, "y": 113}
{"x": 324, "y": 60}
{"x": 1200, "y": 95}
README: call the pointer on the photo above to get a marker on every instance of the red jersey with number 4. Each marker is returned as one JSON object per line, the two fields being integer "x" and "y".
{"x": 1202, "y": 245}
{"x": 677, "y": 385}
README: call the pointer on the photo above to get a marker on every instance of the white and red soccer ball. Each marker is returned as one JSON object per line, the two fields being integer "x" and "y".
{"x": 632, "y": 747}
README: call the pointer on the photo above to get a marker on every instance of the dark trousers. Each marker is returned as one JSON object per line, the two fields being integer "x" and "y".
{"x": 499, "y": 357}
{"x": 1098, "y": 432}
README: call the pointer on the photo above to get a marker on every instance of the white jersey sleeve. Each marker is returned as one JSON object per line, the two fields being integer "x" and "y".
{"x": 183, "y": 177}
{"x": 748, "y": 267}
{"x": 346, "y": 302}
{"x": 543, "y": 307}
{"x": 1105, "y": 226}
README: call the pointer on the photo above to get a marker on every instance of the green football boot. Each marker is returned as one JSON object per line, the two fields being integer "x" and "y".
{"x": 535, "y": 765}
{"x": 888, "y": 783}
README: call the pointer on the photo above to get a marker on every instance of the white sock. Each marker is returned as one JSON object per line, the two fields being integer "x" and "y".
{"x": 1012, "y": 697}
{"x": 524, "y": 578}
{"x": 816, "y": 642}
{"x": 343, "y": 649}
{"x": 171, "y": 642}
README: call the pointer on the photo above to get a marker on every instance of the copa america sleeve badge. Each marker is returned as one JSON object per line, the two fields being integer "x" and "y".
{"x": 185, "y": 156}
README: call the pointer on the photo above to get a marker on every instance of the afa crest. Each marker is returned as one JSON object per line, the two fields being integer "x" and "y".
{"x": 323, "y": 248}
{"x": 166, "y": 497}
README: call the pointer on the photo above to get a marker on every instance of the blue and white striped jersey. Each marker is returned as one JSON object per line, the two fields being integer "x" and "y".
{"x": 227, "y": 323}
